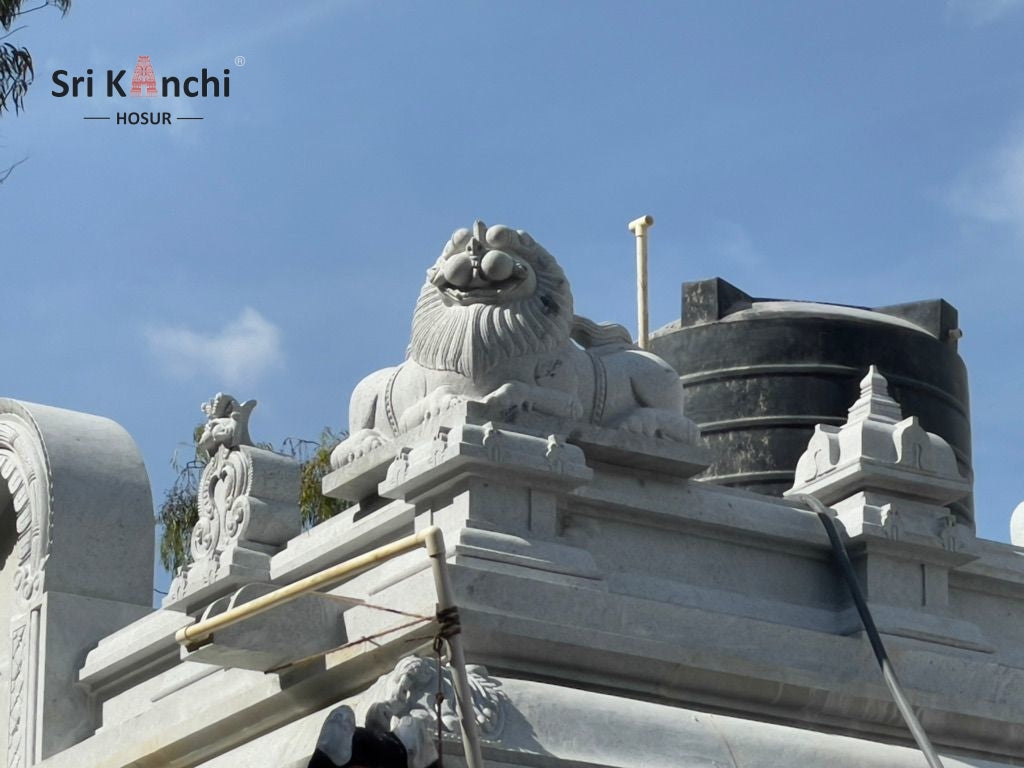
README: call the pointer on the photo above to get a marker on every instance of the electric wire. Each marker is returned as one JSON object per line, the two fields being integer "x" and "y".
{"x": 365, "y": 639}
{"x": 842, "y": 558}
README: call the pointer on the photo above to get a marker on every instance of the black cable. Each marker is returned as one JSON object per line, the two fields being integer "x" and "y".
{"x": 888, "y": 673}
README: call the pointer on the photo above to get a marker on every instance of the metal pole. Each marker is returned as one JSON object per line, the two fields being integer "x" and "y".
{"x": 639, "y": 228}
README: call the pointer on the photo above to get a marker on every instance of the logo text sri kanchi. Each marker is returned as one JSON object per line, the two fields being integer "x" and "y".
{"x": 144, "y": 83}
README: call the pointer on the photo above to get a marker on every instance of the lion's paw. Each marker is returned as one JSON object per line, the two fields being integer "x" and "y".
{"x": 518, "y": 397}
{"x": 511, "y": 396}
{"x": 431, "y": 406}
{"x": 659, "y": 423}
{"x": 354, "y": 446}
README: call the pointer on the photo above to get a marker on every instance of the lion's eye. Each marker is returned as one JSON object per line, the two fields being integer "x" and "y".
{"x": 458, "y": 270}
{"x": 497, "y": 266}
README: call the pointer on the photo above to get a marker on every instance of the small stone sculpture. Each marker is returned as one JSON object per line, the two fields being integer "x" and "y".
{"x": 410, "y": 689}
{"x": 227, "y": 423}
{"x": 494, "y": 323}
{"x": 248, "y": 508}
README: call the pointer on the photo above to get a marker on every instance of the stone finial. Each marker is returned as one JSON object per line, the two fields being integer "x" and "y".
{"x": 227, "y": 422}
{"x": 874, "y": 402}
{"x": 248, "y": 508}
{"x": 878, "y": 463}
{"x": 878, "y": 447}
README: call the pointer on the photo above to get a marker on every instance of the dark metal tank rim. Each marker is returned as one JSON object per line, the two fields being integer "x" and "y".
{"x": 763, "y": 309}
{"x": 753, "y": 422}
{"x": 762, "y": 369}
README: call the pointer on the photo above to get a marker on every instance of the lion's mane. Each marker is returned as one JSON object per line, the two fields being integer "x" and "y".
{"x": 471, "y": 339}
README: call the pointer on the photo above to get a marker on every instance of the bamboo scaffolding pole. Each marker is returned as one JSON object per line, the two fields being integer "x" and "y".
{"x": 202, "y": 632}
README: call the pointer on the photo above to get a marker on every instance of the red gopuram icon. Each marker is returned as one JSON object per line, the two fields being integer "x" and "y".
{"x": 143, "y": 76}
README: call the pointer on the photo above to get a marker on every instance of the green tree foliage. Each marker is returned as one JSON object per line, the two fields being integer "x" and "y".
{"x": 315, "y": 461}
{"x": 179, "y": 511}
{"x": 16, "y": 70}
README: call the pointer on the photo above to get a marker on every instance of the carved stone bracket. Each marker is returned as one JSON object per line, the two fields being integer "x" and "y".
{"x": 248, "y": 509}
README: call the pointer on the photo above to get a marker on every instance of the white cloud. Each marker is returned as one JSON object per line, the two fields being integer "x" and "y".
{"x": 238, "y": 353}
{"x": 978, "y": 12}
{"x": 993, "y": 189}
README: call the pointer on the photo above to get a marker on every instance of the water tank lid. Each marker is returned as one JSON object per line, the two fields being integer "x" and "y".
{"x": 713, "y": 300}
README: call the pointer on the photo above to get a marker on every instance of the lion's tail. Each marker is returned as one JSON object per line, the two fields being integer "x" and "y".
{"x": 589, "y": 334}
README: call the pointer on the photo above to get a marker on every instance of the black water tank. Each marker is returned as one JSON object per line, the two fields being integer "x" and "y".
{"x": 760, "y": 373}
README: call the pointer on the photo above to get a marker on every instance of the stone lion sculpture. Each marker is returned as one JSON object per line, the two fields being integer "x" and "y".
{"x": 494, "y": 323}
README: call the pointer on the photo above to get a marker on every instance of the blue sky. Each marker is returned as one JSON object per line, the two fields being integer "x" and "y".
{"x": 868, "y": 153}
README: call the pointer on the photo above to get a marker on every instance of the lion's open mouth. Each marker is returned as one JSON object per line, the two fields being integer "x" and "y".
{"x": 492, "y": 293}
{"x": 472, "y": 278}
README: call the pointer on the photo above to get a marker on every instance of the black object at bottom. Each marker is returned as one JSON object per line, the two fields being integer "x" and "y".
{"x": 370, "y": 749}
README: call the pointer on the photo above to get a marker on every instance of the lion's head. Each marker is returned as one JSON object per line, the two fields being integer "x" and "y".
{"x": 494, "y": 294}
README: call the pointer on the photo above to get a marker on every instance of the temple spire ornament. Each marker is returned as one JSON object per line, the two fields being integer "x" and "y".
{"x": 875, "y": 402}
{"x": 884, "y": 472}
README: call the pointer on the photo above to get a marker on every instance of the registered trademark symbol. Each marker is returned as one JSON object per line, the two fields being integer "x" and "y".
{"x": 239, "y": 61}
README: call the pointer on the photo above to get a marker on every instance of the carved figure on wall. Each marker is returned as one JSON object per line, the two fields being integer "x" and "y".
{"x": 494, "y": 323}
{"x": 401, "y": 721}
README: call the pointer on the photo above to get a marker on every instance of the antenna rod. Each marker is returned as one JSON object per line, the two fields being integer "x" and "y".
{"x": 639, "y": 228}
